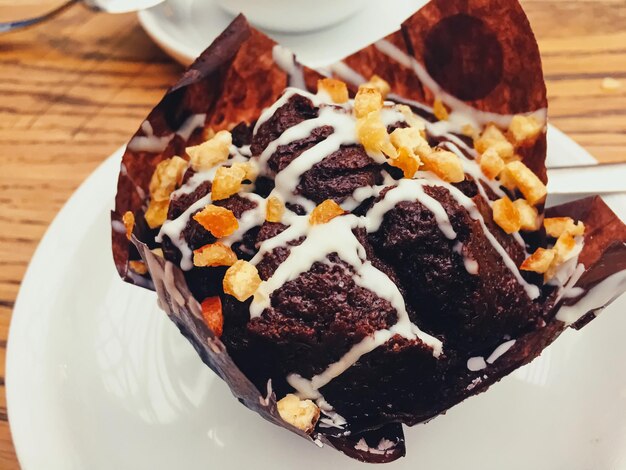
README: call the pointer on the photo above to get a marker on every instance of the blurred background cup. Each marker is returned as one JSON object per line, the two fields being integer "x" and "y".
{"x": 293, "y": 16}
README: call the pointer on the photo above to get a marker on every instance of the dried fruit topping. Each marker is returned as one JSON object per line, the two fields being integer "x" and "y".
{"x": 336, "y": 89}
{"x": 129, "y": 223}
{"x": 491, "y": 163}
{"x": 548, "y": 261}
{"x": 557, "y": 226}
{"x": 540, "y": 261}
{"x": 380, "y": 84}
{"x": 221, "y": 222}
{"x": 493, "y": 138}
{"x": 227, "y": 181}
{"x": 372, "y": 134}
{"x": 212, "y": 315}
{"x": 407, "y": 161}
{"x": 506, "y": 215}
{"x": 411, "y": 139}
{"x": 138, "y": 266}
{"x": 412, "y": 119}
{"x": 167, "y": 175}
{"x": 210, "y": 153}
{"x": 528, "y": 215}
{"x": 524, "y": 130}
{"x": 241, "y": 280}
{"x": 446, "y": 165}
{"x": 366, "y": 101}
{"x": 251, "y": 170}
{"x": 158, "y": 252}
{"x": 274, "y": 209}
{"x": 156, "y": 213}
{"x": 302, "y": 414}
{"x": 527, "y": 182}
{"x": 325, "y": 212}
{"x": 214, "y": 254}
{"x": 440, "y": 111}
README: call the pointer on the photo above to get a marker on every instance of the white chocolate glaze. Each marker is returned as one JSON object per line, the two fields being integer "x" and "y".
{"x": 500, "y": 351}
{"x": 286, "y": 60}
{"x": 596, "y": 298}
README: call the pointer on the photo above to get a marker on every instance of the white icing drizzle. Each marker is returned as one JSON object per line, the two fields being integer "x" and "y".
{"x": 409, "y": 190}
{"x": 149, "y": 142}
{"x": 346, "y": 73}
{"x": 569, "y": 291}
{"x": 286, "y": 61}
{"x": 500, "y": 351}
{"x": 191, "y": 124}
{"x": 471, "y": 265}
{"x": 477, "y": 363}
{"x": 597, "y": 297}
{"x": 156, "y": 144}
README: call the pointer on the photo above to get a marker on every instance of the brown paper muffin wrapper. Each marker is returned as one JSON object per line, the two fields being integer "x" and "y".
{"x": 481, "y": 52}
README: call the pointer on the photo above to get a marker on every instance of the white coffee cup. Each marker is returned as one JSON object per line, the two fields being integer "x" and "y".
{"x": 293, "y": 16}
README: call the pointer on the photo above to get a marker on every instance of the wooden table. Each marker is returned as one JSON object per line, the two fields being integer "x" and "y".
{"x": 73, "y": 90}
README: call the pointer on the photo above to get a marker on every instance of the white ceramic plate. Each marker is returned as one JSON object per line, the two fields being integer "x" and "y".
{"x": 99, "y": 378}
{"x": 184, "y": 28}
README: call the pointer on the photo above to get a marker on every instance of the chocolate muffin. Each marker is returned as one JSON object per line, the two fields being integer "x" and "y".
{"x": 347, "y": 257}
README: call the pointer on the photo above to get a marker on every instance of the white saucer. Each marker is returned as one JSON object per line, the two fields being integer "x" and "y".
{"x": 99, "y": 378}
{"x": 184, "y": 28}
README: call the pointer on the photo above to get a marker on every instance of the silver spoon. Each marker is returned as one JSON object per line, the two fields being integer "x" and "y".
{"x": 603, "y": 178}
{"x": 107, "y": 6}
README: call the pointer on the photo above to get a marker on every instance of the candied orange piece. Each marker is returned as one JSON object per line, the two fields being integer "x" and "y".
{"x": 529, "y": 216}
{"x": 241, "y": 280}
{"x": 411, "y": 139}
{"x": 138, "y": 266}
{"x": 129, "y": 223}
{"x": 336, "y": 89}
{"x": 214, "y": 254}
{"x": 440, "y": 111}
{"x": 372, "y": 134}
{"x": 274, "y": 209}
{"x": 325, "y": 212}
{"x": 167, "y": 175}
{"x": 540, "y": 261}
{"x": 250, "y": 169}
{"x": 557, "y": 226}
{"x": 380, "y": 84}
{"x": 212, "y": 315}
{"x": 221, "y": 222}
{"x": 524, "y": 129}
{"x": 491, "y": 164}
{"x": 302, "y": 414}
{"x": 506, "y": 215}
{"x": 408, "y": 163}
{"x": 366, "y": 101}
{"x": 158, "y": 252}
{"x": 412, "y": 119}
{"x": 208, "y": 154}
{"x": 227, "y": 181}
{"x": 563, "y": 249}
{"x": 527, "y": 182}
{"x": 492, "y": 137}
{"x": 156, "y": 213}
{"x": 469, "y": 131}
{"x": 446, "y": 165}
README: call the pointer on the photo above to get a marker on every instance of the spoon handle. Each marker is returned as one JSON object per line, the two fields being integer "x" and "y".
{"x": 8, "y": 26}
{"x": 604, "y": 178}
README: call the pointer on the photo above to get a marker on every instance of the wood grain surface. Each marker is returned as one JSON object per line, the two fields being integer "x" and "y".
{"x": 75, "y": 89}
